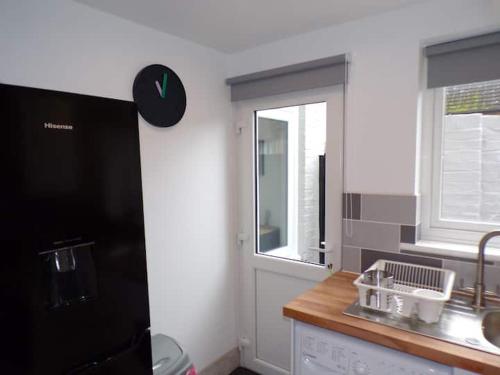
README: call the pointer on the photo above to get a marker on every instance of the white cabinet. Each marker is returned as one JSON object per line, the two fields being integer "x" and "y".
{"x": 318, "y": 351}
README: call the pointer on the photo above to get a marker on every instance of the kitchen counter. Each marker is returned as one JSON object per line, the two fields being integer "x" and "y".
{"x": 324, "y": 304}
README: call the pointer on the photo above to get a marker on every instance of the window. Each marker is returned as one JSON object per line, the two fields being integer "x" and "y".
{"x": 290, "y": 153}
{"x": 464, "y": 186}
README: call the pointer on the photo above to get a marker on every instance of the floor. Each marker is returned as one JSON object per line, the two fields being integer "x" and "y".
{"x": 243, "y": 371}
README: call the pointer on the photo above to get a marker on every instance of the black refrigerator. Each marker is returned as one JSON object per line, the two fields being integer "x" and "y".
{"x": 73, "y": 282}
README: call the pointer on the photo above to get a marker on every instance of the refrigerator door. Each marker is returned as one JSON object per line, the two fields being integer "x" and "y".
{"x": 73, "y": 282}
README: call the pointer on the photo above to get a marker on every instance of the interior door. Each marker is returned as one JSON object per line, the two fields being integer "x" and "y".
{"x": 289, "y": 222}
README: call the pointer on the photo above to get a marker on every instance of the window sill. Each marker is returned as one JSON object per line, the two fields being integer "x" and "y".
{"x": 451, "y": 250}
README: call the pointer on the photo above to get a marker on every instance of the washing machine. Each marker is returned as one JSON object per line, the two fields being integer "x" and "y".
{"x": 319, "y": 351}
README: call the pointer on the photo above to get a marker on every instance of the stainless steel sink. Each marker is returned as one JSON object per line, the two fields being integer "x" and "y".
{"x": 459, "y": 323}
{"x": 471, "y": 323}
{"x": 491, "y": 327}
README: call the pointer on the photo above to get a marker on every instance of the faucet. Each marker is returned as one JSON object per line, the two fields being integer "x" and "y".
{"x": 478, "y": 300}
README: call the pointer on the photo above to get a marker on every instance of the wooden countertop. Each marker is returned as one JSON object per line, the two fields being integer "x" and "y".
{"x": 323, "y": 306}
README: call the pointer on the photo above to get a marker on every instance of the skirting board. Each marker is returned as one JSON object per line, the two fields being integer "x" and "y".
{"x": 224, "y": 365}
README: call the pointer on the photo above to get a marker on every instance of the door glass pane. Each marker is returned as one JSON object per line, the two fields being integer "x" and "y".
{"x": 290, "y": 162}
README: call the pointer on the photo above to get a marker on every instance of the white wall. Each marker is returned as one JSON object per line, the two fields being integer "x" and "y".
{"x": 383, "y": 96}
{"x": 62, "y": 45}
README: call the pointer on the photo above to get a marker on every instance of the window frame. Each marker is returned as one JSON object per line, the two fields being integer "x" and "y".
{"x": 433, "y": 228}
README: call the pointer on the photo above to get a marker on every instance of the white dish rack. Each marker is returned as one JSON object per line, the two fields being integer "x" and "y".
{"x": 416, "y": 289}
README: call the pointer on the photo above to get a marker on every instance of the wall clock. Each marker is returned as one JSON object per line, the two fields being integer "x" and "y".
{"x": 159, "y": 95}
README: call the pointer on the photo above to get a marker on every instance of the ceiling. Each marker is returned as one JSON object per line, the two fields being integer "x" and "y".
{"x": 234, "y": 25}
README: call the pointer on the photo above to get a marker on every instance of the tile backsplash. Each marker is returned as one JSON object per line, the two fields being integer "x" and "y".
{"x": 374, "y": 225}
{"x": 398, "y": 209}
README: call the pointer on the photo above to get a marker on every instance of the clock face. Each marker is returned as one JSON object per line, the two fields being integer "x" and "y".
{"x": 159, "y": 95}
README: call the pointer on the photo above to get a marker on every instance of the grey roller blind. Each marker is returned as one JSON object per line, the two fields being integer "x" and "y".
{"x": 463, "y": 61}
{"x": 304, "y": 76}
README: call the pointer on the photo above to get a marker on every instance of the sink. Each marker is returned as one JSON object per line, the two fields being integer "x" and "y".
{"x": 491, "y": 327}
{"x": 459, "y": 324}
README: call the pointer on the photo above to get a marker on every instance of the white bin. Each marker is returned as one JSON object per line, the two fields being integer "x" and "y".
{"x": 169, "y": 358}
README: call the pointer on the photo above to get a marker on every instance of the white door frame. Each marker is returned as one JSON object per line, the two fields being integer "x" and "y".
{"x": 250, "y": 261}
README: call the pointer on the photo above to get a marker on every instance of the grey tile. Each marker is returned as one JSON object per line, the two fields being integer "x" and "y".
{"x": 351, "y": 206}
{"x": 408, "y": 233}
{"x": 440, "y": 256}
{"x": 400, "y": 209}
{"x": 466, "y": 274}
{"x": 371, "y": 235}
{"x": 368, "y": 257}
{"x": 351, "y": 259}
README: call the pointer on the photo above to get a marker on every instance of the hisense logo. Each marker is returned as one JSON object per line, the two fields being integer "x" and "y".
{"x": 49, "y": 125}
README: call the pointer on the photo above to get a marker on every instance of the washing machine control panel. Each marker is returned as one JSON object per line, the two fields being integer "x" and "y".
{"x": 322, "y": 352}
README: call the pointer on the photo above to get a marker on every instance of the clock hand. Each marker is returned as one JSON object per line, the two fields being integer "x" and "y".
{"x": 164, "y": 88}
{"x": 158, "y": 87}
